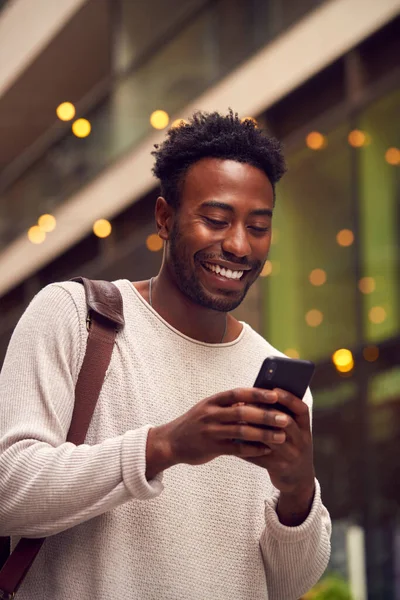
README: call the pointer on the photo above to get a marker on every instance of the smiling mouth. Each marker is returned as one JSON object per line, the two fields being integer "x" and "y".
{"x": 233, "y": 274}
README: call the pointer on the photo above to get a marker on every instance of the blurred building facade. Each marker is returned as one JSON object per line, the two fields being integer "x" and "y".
{"x": 321, "y": 76}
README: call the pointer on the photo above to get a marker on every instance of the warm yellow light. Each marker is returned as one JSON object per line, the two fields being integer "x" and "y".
{"x": 102, "y": 228}
{"x": 377, "y": 314}
{"x": 366, "y": 285}
{"x": 81, "y": 128}
{"x": 343, "y": 360}
{"x": 252, "y": 119}
{"x": 357, "y": 138}
{"x": 392, "y": 156}
{"x": 317, "y": 277}
{"x": 292, "y": 353}
{"x": 36, "y": 235}
{"x": 314, "y": 317}
{"x": 316, "y": 141}
{"x": 159, "y": 119}
{"x": 345, "y": 237}
{"x": 66, "y": 111}
{"x": 154, "y": 242}
{"x": 178, "y": 123}
{"x": 371, "y": 353}
{"x": 267, "y": 269}
{"x": 47, "y": 223}
{"x": 275, "y": 236}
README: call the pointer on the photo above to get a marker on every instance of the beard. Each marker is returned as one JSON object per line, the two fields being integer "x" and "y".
{"x": 187, "y": 280}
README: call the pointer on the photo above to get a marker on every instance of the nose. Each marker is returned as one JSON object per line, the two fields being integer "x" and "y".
{"x": 236, "y": 241}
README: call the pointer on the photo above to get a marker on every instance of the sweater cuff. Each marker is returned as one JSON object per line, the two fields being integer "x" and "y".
{"x": 134, "y": 466}
{"x": 284, "y": 533}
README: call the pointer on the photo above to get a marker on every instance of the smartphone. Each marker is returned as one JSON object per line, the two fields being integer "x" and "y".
{"x": 290, "y": 374}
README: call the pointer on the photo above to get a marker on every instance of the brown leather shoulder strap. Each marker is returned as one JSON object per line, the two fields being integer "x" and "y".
{"x": 105, "y": 318}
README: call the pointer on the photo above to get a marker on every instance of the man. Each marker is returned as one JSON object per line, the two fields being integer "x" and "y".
{"x": 190, "y": 485}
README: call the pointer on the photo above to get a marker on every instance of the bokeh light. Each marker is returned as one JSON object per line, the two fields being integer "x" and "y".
{"x": 66, "y": 111}
{"x": 357, "y": 138}
{"x": 314, "y": 317}
{"x": 371, "y": 353}
{"x": 81, "y": 128}
{"x": 377, "y": 315}
{"x": 267, "y": 269}
{"x": 36, "y": 235}
{"x": 154, "y": 243}
{"x": 47, "y": 223}
{"x": 316, "y": 141}
{"x": 178, "y": 123}
{"x": 159, "y": 119}
{"x": 392, "y": 156}
{"x": 252, "y": 119}
{"x": 102, "y": 228}
{"x": 317, "y": 277}
{"x": 345, "y": 237}
{"x": 367, "y": 285}
{"x": 343, "y": 360}
{"x": 292, "y": 353}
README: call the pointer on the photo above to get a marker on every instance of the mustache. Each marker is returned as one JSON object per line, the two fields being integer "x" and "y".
{"x": 232, "y": 259}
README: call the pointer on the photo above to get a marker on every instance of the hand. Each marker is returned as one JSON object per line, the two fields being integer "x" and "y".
{"x": 221, "y": 424}
{"x": 290, "y": 464}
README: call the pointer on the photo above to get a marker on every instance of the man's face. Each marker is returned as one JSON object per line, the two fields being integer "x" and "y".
{"x": 221, "y": 234}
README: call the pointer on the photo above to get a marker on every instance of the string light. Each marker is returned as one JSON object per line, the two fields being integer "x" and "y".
{"x": 343, "y": 360}
{"x": 65, "y": 111}
{"x": 267, "y": 269}
{"x": 154, "y": 243}
{"x": 47, "y": 223}
{"x": 317, "y": 277}
{"x": 345, "y": 237}
{"x": 357, "y": 138}
{"x": 314, "y": 317}
{"x": 292, "y": 353}
{"x": 159, "y": 119}
{"x": 371, "y": 353}
{"x": 392, "y": 156}
{"x": 316, "y": 141}
{"x": 252, "y": 119}
{"x": 102, "y": 228}
{"x": 178, "y": 123}
{"x": 81, "y": 128}
{"x": 377, "y": 315}
{"x": 36, "y": 235}
{"x": 366, "y": 285}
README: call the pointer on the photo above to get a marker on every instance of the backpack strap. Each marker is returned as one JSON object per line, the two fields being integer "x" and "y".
{"x": 105, "y": 317}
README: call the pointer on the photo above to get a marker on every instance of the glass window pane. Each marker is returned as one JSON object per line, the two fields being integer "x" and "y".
{"x": 310, "y": 295}
{"x": 380, "y": 217}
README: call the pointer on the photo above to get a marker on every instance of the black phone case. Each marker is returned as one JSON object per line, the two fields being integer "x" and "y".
{"x": 292, "y": 375}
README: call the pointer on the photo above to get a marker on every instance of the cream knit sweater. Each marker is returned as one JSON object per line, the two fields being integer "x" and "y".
{"x": 207, "y": 532}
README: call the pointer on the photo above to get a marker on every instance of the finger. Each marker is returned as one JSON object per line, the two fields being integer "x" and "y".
{"x": 297, "y": 407}
{"x": 246, "y": 395}
{"x": 255, "y": 415}
{"x": 248, "y": 433}
{"x": 245, "y": 450}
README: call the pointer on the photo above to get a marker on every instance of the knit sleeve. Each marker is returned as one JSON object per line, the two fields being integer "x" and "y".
{"x": 48, "y": 485}
{"x": 295, "y": 557}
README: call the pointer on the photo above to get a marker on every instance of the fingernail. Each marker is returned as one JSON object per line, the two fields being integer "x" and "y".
{"x": 278, "y": 437}
{"x": 281, "y": 419}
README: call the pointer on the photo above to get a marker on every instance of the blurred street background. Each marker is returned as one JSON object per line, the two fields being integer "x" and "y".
{"x": 87, "y": 87}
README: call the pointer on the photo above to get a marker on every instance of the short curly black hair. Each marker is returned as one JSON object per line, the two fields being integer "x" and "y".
{"x": 212, "y": 135}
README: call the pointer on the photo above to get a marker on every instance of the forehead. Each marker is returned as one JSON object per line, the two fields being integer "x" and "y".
{"x": 238, "y": 184}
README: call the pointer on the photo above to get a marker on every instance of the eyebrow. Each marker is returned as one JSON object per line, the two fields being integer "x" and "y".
{"x": 261, "y": 212}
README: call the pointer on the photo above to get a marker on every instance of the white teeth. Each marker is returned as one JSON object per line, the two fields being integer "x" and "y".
{"x": 228, "y": 273}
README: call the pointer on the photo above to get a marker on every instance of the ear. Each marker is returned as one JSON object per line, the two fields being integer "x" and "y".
{"x": 164, "y": 214}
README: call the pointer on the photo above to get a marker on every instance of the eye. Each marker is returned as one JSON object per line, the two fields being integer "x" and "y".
{"x": 214, "y": 222}
{"x": 260, "y": 230}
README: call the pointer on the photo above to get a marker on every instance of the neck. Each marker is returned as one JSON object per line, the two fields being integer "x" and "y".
{"x": 191, "y": 319}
